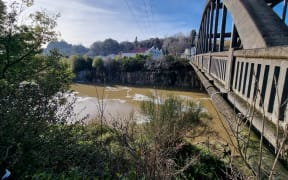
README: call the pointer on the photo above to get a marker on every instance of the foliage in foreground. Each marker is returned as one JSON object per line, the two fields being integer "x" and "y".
{"x": 125, "y": 150}
{"x": 122, "y": 150}
{"x": 32, "y": 87}
{"x": 108, "y": 158}
{"x": 37, "y": 142}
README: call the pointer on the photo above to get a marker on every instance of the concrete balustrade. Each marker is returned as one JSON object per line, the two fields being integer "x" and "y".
{"x": 257, "y": 77}
{"x": 249, "y": 64}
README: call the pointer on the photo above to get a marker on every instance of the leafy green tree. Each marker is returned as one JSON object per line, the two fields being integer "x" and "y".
{"x": 132, "y": 64}
{"x": 98, "y": 64}
{"x": 126, "y": 46}
{"x": 77, "y": 63}
{"x": 78, "y": 49}
{"x": 89, "y": 61}
{"x": 65, "y": 48}
{"x": 110, "y": 46}
{"x": 62, "y": 46}
{"x": 193, "y": 34}
{"x": 170, "y": 58}
{"x": 2, "y": 13}
{"x": 113, "y": 68}
{"x": 176, "y": 45}
{"x": 32, "y": 87}
{"x": 99, "y": 69}
{"x": 96, "y": 49}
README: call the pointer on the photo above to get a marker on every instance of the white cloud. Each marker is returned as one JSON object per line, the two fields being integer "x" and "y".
{"x": 87, "y": 21}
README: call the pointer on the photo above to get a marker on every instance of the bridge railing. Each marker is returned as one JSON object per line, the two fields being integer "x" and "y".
{"x": 259, "y": 77}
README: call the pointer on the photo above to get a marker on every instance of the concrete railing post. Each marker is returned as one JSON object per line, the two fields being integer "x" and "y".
{"x": 229, "y": 70}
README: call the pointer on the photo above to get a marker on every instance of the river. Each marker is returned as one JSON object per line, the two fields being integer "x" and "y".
{"x": 123, "y": 101}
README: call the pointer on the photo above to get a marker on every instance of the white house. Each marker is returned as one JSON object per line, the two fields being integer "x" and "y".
{"x": 155, "y": 53}
{"x": 189, "y": 52}
{"x": 133, "y": 52}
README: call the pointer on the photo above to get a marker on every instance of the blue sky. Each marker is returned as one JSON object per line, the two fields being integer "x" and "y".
{"x": 87, "y": 21}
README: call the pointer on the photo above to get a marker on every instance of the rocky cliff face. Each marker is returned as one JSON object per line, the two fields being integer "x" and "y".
{"x": 178, "y": 74}
{"x": 174, "y": 74}
{"x": 187, "y": 79}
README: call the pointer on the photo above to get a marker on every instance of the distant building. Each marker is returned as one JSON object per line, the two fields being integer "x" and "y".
{"x": 189, "y": 52}
{"x": 110, "y": 56}
{"x": 133, "y": 52}
{"x": 139, "y": 50}
{"x": 155, "y": 53}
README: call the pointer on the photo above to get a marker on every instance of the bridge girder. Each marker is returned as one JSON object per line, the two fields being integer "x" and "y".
{"x": 256, "y": 24}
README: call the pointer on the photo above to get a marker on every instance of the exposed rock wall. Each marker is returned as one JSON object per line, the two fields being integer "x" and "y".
{"x": 166, "y": 78}
{"x": 174, "y": 74}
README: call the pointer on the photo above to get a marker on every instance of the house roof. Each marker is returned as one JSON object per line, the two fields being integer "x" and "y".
{"x": 139, "y": 50}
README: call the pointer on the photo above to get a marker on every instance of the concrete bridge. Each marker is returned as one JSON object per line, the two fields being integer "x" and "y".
{"x": 245, "y": 63}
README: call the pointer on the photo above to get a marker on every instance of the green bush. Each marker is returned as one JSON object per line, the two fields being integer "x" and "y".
{"x": 204, "y": 165}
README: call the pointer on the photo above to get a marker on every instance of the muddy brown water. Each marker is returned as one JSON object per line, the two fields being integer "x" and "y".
{"x": 122, "y": 101}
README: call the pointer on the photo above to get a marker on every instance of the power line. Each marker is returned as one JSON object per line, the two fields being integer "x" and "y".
{"x": 150, "y": 9}
{"x": 133, "y": 14}
{"x": 143, "y": 15}
{"x": 148, "y": 16}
